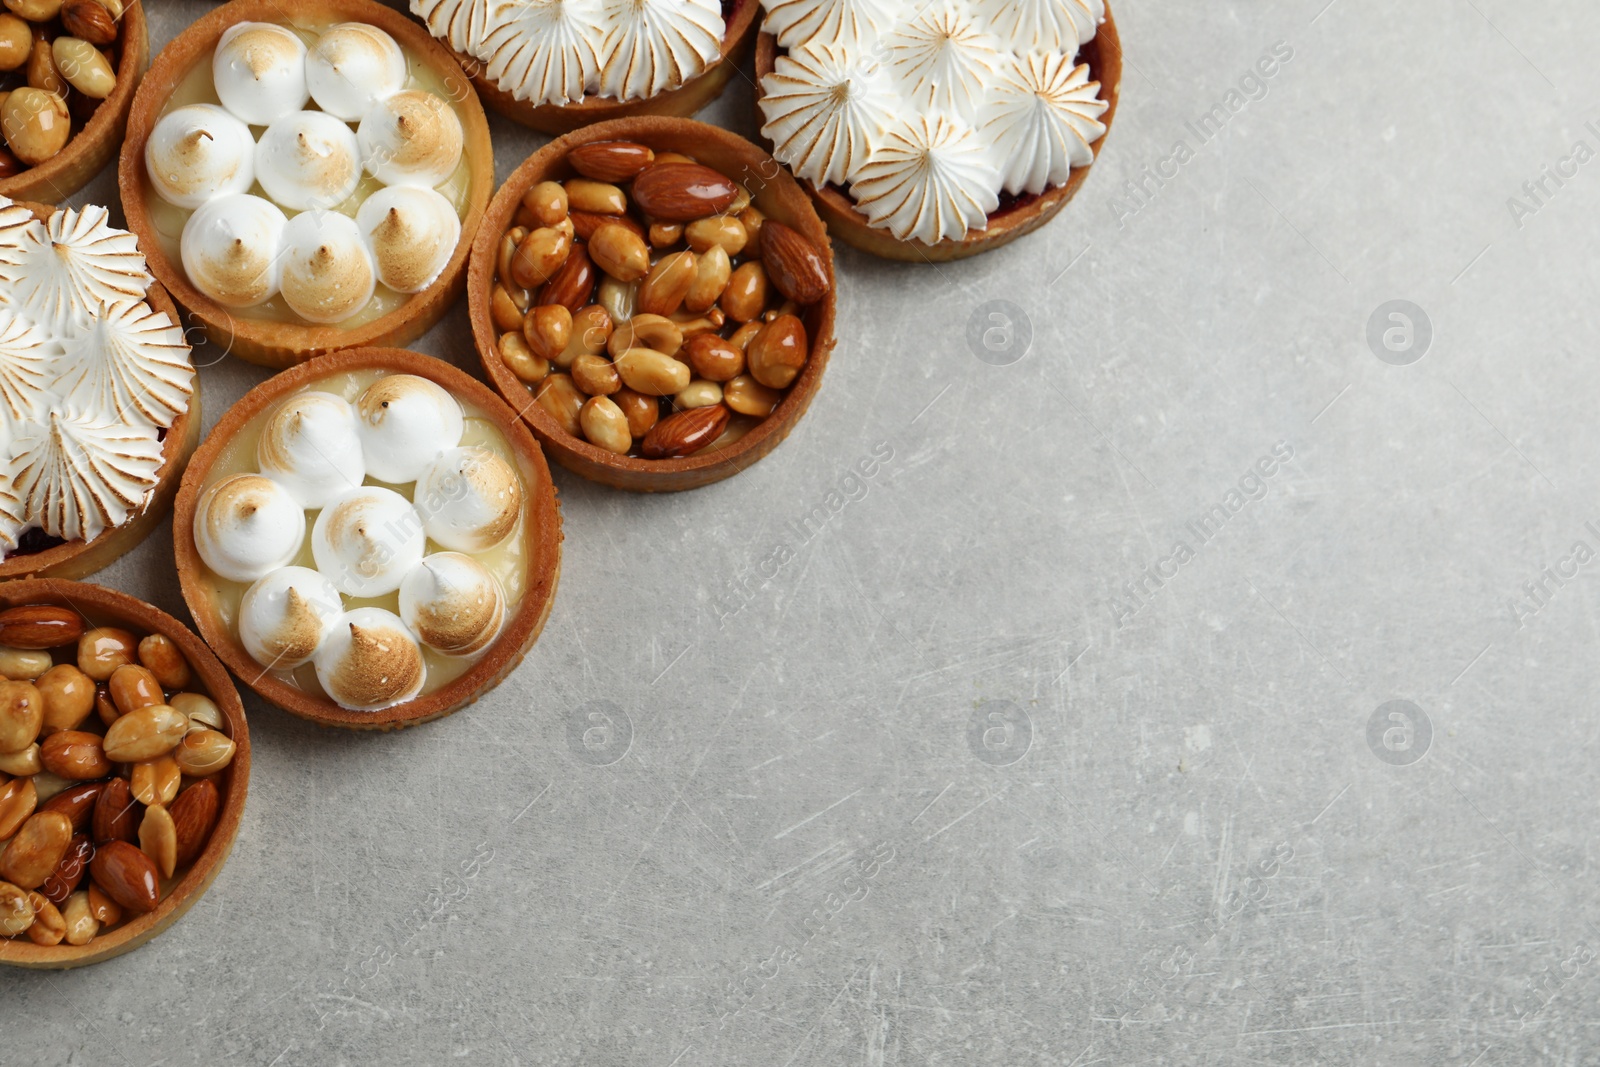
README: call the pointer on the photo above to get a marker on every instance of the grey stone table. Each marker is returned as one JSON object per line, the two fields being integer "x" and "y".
{"x": 1201, "y": 677}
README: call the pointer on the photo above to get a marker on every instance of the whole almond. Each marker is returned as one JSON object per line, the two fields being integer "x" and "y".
{"x": 48, "y": 926}
{"x": 610, "y": 161}
{"x": 682, "y": 192}
{"x": 21, "y": 715}
{"x": 663, "y": 289}
{"x": 69, "y": 873}
{"x": 74, "y": 754}
{"x": 40, "y": 625}
{"x": 36, "y": 849}
{"x": 620, "y": 252}
{"x": 793, "y": 263}
{"x": 777, "y": 354}
{"x": 158, "y": 839}
{"x": 18, "y": 798}
{"x": 194, "y": 815}
{"x": 571, "y": 285}
{"x": 76, "y": 802}
{"x": 127, "y": 876}
{"x": 145, "y": 733}
{"x": 114, "y": 816}
{"x": 89, "y": 20}
{"x": 685, "y": 432}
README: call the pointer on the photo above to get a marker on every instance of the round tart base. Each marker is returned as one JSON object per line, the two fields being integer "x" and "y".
{"x": 110, "y": 608}
{"x": 78, "y": 559}
{"x": 1011, "y": 220}
{"x": 283, "y": 344}
{"x": 688, "y": 98}
{"x": 541, "y": 529}
{"x": 774, "y": 192}
{"x": 95, "y": 145}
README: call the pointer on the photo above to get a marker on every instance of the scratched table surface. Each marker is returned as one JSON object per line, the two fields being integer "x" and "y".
{"x": 1165, "y": 641}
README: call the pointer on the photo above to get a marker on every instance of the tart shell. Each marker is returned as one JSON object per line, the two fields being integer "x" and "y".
{"x": 108, "y": 607}
{"x": 279, "y": 344}
{"x": 773, "y": 191}
{"x": 78, "y": 559}
{"x": 95, "y": 145}
{"x": 542, "y": 530}
{"x": 681, "y": 102}
{"x": 1011, "y": 220}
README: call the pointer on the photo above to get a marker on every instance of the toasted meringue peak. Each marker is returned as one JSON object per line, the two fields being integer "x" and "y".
{"x": 259, "y": 70}
{"x": 453, "y": 604}
{"x": 230, "y": 249}
{"x": 247, "y": 526}
{"x": 327, "y": 270}
{"x": 198, "y": 152}
{"x": 19, "y": 229}
{"x": 73, "y": 266}
{"x": 545, "y": 51}
{"x": 370, "y": 661}
{"x": 285, "y": 616}
{"x": 406, "y": 422}
{"x": 931, "y": 180}
{"x": 1044, "y": 116}
{"x": 854, "y": 23}
{"x": 308, "y": 159}
{"x": 132, "y": 362}
{"x": 470, "y": 499}
{"x": 943, "y": 60}
{"x": 352, "y": 67}
{"x": 78, "y": 474}
{"x": 1052, "y": 25}
{"x": 411, "y": 138}
{"x": 462, "y": 23}
{"x": 825, "y": 109}
{"x": 654, "y": 45}
{"x": 26, "y": 356}
{"x": 412, "y": 233}
{"x": 310, "y": 447}
{"x": 366, "y": 541}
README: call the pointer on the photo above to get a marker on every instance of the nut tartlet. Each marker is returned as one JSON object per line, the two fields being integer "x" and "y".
{"x": 370, "y": 539}
{"x": 350, "y": 222}
{"x": 94, "y": 125}
{"x": 686, "y": 160}
{"x": 519, "y": 73}
{"x": 99, "y": 404}
{"x": 955, "y": 140}
{"x": 139, "y": 857}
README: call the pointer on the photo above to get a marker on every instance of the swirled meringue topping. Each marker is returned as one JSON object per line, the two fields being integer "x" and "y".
{"x": 824, "y": 107}
{"x": 285, "y": 617}
{"x": 1051, "y": 25}
{"x": 931, "y": 180}
{"x": 849, "y": 23}
{"x": 943, "y": 60}
{"x": 545, "y": 50}
{"x": 370, "y": 661}
{"x": 453, "y": 604}
{"x": 463, "y": 24}
{"x": 654, "y": 45}
{"x": 81, "y": 473}
{"x": 132, "y": 361}
{"x": 66, "y": 270}
{"x": 1045, "y": 115}
{"x": 26, "y": 354}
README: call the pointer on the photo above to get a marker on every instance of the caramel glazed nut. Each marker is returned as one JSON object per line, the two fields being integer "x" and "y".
{"x": 649, "y": 305}
{"x": 61, "y": 59}
{"x": 110, "y": 767}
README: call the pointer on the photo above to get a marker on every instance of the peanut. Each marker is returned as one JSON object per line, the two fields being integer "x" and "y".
{"x": 747, "y": 396}
{"x": 102, "y": 650}
{"x": 16, "y": 912}
{"x": 604, "y": 424}
{"x": 663, "y": 289}
{"x": 133, "y": 687}
{"x": 161, "y": 655}
{"x": 540, "y": 255}
{"x": 596, "y": 376}
{"x": 745, "y": 298}
{"x": 81, "y": 925}
{"x": 698, "y": 394}
{"x": 710, "y": 279}
{"x": 718, "y": 231}
{"x": 21, "y": 715}
{"x": 204, "y": 752}
{"x": 620, "y": 252}
{"x": 548, "y": 330}
{"x": 23, "y": 664}
{"x": 652, "y": 373}
{"x": 36, "y": 849}
{"x": 547, "y": 201}
{"x": 158, "y": 839}
{"x": 84, "y": 67}
{"x": 641, "y": 411}
{"x": 156, "y": 781}
{"x": 561, "y": 400}
{"x": 597, "y": 198}
{"x": 18, "y": 798}
{"x": 48, "y": 926}
{"x": 646, "y": 331}
{"x": 145, "y": 734}
{"x": 200, "y": 709}
{"x": 68, "y": 697}
{"x": 516, "y": 354}
{"x": 21, "y": 763}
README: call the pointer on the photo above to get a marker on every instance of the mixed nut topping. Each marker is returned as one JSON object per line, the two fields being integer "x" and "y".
{"x": 109, "y": 765}
{"x": 649, "y": 305}
{"x": 59, "y": 61}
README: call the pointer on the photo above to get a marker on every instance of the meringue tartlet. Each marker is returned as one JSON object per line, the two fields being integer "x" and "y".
{"x": 370, "y": 539}
{"x": 307, "y": 181}
{"x": 99, "y": 407}
{"x": 935, "y": 131}
{"x": 560, "y": 66}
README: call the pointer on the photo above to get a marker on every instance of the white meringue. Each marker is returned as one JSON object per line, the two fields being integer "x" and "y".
{"x": 453, "y": 604}
{"x": 943, "y": 60}
{"x": 1049, "y": 25}
{"x": 80, "y": 473}
{"x": 19, "y": 229}
{"x": 366, "y": 541}
{"x": 353, "y": 66}
{"x": 247, "y": 526}
{"x": 1044, "y": 118}
{"x": 27, "y": 353}
{"x": 654, "y": 45}
{"x": 308, "y": 159}
{"x": 259, "y": 71}
{"x": 412, "y": 234}
{"x": 406, "y": 422}
{"x": 931, "y": 180}
{"x": 825, "y": 110}
{"x": 285, "y": 617}
{"x": 411, "y": 138}
{"x": 544, "y": 51}
{"x": 370, "y": 661}
{"x": 11, "y": 521}
{"x": 470, "y": 499}
{"x": 327, "y": 271}
{"x": 230, "y": 249}
{"x": 462, "y": 23}
{"x": 855, "y": 23}
{"x": 197, "y": 152}
{"x": 131, "y": 361}
{"x": 309, "y": 446}
{"x": 66, "y": 271}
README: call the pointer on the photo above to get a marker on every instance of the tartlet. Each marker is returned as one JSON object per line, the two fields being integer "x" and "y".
{"x": 452, "y": 17}
{"x": 107, "y": 607}
{"x": 40, "y": 554}
{"x": 278, "y": 594}
{"x": 774, "y": 193}
{"x": 95, "y": 142}
{"x": 273, "y": 333}
{"x": 1016, "y": 214}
